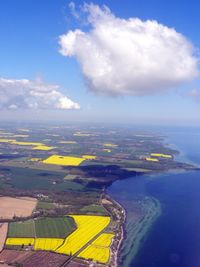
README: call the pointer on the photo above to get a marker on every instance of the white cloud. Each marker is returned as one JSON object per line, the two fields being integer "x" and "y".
{"x": 27, "y": 94}
{"x": 129, "y": 56}
{"x": 72, "y": 8}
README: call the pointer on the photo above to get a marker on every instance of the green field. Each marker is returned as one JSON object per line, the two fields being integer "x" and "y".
{"x": 97, "y": 209}
{"x": 54, "y": 227}
{"x": 32, "y": 179}
{"x": 22, "y": 229}
{"x": 44, "y": 205}
{"x": 59, "y": 227}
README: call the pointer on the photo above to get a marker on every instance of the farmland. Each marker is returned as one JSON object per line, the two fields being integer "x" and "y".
{"x": 45, "y": 205}
{"x": 43, "y": 147}
{"x": 54, "y": 227}
{"x": 89, "y": 157}
{"x": 58, "y": 227}
{"x": 15, "y": 142}
{"x": 63, "y": 160}
{"x": 104, "y": 240}
{"x": 64, "y": 170}
{"x": 74, "y": 149}
{"x": 21, "y": 229}
{"x": 42, "y": 258}
{"x": 33, "y": 179}
{"x": 161, "y": 155}
{"x": 49, "y": 244}
{"x": 3, "y": 233}
{"x": 20, "y": 207}
{"x": 10, "y": 256}
{"x": 99, "y": 250}
{"x": 19, "y": 241}
{"x": 88, "y": 228}
{"x": 32, "y": 259}
{"x": 59, "y": 235}
{"x": 94, "y": 209}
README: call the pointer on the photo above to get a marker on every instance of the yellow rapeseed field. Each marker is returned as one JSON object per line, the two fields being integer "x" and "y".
{"x": 63, "y": 160}
{"x": 7, "y": 140}
{"x": 99, "y": 254}
{"x": 104, "y": 240}
{"x": 161, "y": 155}
{"x": 152, "y": 159}
{"x": 15, "y": 142}
{"x": 99, "y": 250}
{"x": 110, "y": 145}
{"x": 20, "y": 241}
{"x": 50, "y": 244}
{"x": 88, "y": 157}
{"x": 26, "y": 143}
{"x": 88, "y": 228}
{"x": 43, "y": 147}
{"x": 107, "y": 150}
{"x": 35, "y": 159}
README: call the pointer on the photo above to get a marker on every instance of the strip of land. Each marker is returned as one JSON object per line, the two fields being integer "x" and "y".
{"x": 3, "y": 234}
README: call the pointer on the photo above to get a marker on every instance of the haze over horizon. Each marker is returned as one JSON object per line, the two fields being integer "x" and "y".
{"x": 100, "y": 61}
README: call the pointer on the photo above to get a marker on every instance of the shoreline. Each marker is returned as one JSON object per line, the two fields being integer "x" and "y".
{"x": 120, "y": 235}
{"x": 140, "y": 230}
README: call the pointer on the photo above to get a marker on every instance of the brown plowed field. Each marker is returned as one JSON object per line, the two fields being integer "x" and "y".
{"x": 9, "y": 256}
{"x": 32, "y": 259}
{"x": 42, "y": 258}
{"x": 76, "y": 264}
{"x": 3, "y": 234}
{"x": 20, "y": 207}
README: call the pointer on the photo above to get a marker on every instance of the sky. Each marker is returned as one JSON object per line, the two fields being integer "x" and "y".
{"x": 130, "y": 61}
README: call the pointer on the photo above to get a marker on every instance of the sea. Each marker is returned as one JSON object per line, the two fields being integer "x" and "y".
{"x": 173, "y": 240}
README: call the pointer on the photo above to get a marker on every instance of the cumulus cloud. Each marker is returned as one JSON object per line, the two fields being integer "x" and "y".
{"x": 129, "y": 56}
{"x": 36, "y": 94}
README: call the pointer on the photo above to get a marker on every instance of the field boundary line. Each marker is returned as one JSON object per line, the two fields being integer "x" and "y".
{"x": 83, "y": 248}
{"x": 60, "y": 245}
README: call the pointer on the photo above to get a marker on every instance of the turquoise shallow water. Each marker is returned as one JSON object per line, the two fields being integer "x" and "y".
{"x": 174, "y": 239}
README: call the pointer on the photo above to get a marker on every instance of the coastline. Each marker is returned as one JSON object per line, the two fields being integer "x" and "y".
{"x": 138, "y": 233}
{"x": 124, "y": 248}
{"x": 120, "y": 234}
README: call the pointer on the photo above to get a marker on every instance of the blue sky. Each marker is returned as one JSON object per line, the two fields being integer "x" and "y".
{"x": 29, "y": 40}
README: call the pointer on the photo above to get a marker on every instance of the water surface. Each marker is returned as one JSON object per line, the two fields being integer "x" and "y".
{"x": 174, "y": 239}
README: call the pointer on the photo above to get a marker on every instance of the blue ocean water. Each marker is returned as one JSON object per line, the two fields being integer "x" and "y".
{"x": 174, "y": 239}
